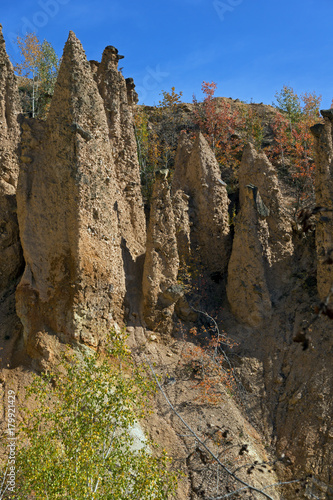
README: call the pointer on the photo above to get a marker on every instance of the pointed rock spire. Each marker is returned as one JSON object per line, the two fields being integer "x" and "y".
{"x": 68, "y": 210}
{"x": 323, "y": 134}
{"x": 256, "y": 169}
{"x": 118, "y": 109}
{"x": 197, "y": 175}
{"x": 262, "y": 248}
{"x": 10, "y": 249}
{"x": 247, "y": 289}
{"x": 160, "y": 289}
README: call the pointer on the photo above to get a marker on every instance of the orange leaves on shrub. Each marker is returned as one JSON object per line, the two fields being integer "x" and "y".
{"x": 293, "y": 142}
{"x": 206, "y": 365}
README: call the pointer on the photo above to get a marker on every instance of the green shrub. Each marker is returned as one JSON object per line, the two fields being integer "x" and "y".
{"x": 78, "y": 442}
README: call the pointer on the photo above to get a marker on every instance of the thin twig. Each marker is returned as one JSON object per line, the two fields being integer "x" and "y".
{"x": 247, "y": 486}
{"x": 228, "y": 495}
{"x": 218, "y": 346}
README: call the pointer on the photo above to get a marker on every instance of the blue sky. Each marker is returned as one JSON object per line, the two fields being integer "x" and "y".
{"x": 250, "y": 48}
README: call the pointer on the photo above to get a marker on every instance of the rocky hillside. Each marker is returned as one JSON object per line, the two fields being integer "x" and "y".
{"x": 76, "y": 260}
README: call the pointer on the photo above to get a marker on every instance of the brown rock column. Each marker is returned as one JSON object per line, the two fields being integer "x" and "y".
{"x": 118, "y": 95}
{"x": 69, "y": 210}
{"x": 323, "y": 134}
{"x": 160, "y": 289}
{"x": 11, "y": 261}
{"x": 197, "y": 176}
{"x": 262, "y": 248}
{"x": 247, "y": 289}
{"x": 256, "y": 169}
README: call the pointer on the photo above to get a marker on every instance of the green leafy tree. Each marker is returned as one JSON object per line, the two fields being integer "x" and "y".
{"x": 48, "y": 69}
{"x": 171, "y": 122}
{"x": 293, "y": 143}
{"x": 157, "y": 137}
{"x": 148, "y": 152}
{"x": 288, "y": 102}
{"x": 78, "y": 440}
{"x": 40, "y": 64}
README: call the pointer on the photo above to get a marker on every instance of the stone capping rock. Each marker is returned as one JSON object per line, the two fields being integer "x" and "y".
{"x": 323, "y": 134}
{"x": 68, "y": 210}
{"x": 118, "y": 96}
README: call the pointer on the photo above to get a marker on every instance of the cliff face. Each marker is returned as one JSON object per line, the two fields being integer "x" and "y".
{"x": 10, "y": 248}
{"x": 81, "y": 225}
{"x": 70, "y": 208}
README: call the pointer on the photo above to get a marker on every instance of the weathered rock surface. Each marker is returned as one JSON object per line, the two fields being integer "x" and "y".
{"x": 160, "y": 289}
{"x": 69, "y": 214}
{"x": 11, "y": 259}
{"x": 180, "y": 200}
{"x": 257, "y": 170}
{"x": 118, "y": 95}
{"x": 201, "y": 202}
{"x": 247, "y": 289}
{"x": 10, "y": 248}
{"x": 323, "y": 134}
{"x": 262, "y": 249}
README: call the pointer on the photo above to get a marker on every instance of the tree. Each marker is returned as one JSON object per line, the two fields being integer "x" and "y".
{"x": 293, "y": 142}
{"x": 48, "y": 69}
{"x": 170, "y": 99}
{"x": 288, "y": 102}
{"x": 148, "y": 152}
{"x": 77, "y": 441}
{"x": 157, "y": 137}
{"x": 40, "y": 64}
{"x": 170, "y": 119}
{"x": 30, "y": 50}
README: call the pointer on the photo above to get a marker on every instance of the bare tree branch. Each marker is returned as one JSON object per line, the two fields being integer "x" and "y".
{"x": 246, "y": 485}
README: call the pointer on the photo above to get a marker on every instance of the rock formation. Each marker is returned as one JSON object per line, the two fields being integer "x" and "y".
{"x": 160, "y": 289}
{"x": 69, "y": 210}
{"x": 247, "y": 289}
{"x": 262, "y": 247}
{"x": 257, "y": 170}
{"x": 10, "y": 248}
{"x": 180, "y": 200}
{"x": 118, "y": 96}
{"x": 198, "y": 191}
{"x": 82, "y": 229}
{"x": 323, "y": 134}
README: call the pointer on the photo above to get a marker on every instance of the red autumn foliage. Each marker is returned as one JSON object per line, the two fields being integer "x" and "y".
{"x": 294, "y": 145}
{"x": 219, "y": 123}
